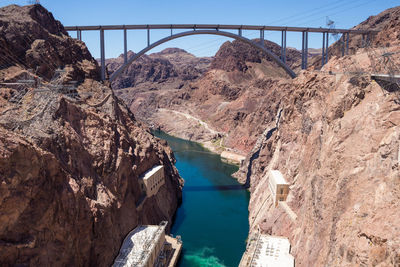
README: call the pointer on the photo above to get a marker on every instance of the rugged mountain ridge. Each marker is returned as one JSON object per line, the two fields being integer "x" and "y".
{"x": 44, "y": 46}
{"x": 336, "y": 139}
{"x": 69, "y": 160}
{"x": 234, "y": 55}
{"x": 169, "y": 68}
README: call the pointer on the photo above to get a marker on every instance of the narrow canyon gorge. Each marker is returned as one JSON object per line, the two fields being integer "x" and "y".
{"x": 333, "y": 132}
{"x": 70, "y": 162}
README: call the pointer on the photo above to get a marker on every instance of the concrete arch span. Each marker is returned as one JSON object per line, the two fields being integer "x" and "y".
{"x": 195, "y": 32}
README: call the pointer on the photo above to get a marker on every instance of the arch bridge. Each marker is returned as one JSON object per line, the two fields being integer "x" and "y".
{"x": 223, "y": 30}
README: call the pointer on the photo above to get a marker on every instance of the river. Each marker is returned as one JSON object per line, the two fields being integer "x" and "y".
{"x": 213, "y": 217}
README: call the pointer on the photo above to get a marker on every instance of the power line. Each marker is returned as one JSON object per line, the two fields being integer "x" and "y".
{"x": 309, "y": 13}
{"x": 340, "y": 11}
{"x": 333, "y": 6}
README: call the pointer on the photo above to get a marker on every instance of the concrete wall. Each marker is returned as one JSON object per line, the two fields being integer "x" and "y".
{"x": 156, "y": 250}
{"x": 152, "y": 180}
{"x": 282, "y": 191}
{"x": 278, "y": 186}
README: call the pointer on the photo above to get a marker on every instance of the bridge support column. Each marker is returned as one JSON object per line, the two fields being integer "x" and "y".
{"x": 125, "y": 47}
{"x": 363, "y": 40}
{"x": 148, "y": 37}
{"x": 325, "y": 45}
{"x": 327, "y": 48}
{"x": 304, "y": 50}
{"x": 347, "y": 43}
{"x": 323, "y": 49}
{"x": 283, "y": 47}
{"x": 79, "y": 35}
{"x": 262, "y": 37}
{"x": 240, "y": 32}
{"x": 343, "y": 43}
{"x": 102, "y": 56}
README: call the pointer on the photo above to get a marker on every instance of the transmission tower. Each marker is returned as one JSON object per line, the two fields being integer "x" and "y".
{"x": 331, "y": 25}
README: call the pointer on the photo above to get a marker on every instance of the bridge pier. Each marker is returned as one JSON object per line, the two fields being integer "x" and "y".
{"x": 327, "y": 48}
{"x": 102, "y": 55}
{"x": 262, "y": 37}
{"x": 304, "y": 50}
{"x": 366, "y": 39}
{"x": 125, "y": 47}
{"x": 342, "y": 40}
{"x": 148, "y": 36}
{"x": 283, "y": 47}
{"x": 79, "y": 35}
{"x": 325, "y": 45}
{"x": 240, "y": 32}
{"x": 323, "y": 50}
{"x": 363, "y": 40}
{"x": 345, "y": 43}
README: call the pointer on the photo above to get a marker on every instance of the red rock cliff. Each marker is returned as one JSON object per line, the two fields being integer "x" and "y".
{"x": 336, "y": 139}
{"x": 69, "y": 165}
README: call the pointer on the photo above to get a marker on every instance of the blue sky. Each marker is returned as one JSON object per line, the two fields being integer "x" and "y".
{"x": 309, "y": 13}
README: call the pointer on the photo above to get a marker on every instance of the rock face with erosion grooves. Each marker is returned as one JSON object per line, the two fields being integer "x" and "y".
{"x": 236, "y": 54}
{"x": 31, "y": 38}
{"x": 69, "y": 166}
{"x": 170, "y": 68}
{"x": 336, "y": 140}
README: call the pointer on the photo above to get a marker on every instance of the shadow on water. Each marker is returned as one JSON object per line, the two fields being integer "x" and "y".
{"x": 179, "y": 220}
{"x": 214, "y": 188}
{"x": 213, "y": 217}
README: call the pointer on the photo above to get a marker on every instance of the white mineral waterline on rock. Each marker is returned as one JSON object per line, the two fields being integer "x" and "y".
{"x": 190, "y": 117}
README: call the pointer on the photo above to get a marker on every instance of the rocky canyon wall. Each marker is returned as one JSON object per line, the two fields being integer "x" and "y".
{"x": 337, "y": 144}
{"x": 333, "y": 133}
{"x": 69, "y": 164}
{"x": 336, "y": 139}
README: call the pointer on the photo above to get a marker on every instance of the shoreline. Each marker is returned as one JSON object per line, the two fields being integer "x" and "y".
{"x": 227, "y": 155}
{"x": 207, "y": 136}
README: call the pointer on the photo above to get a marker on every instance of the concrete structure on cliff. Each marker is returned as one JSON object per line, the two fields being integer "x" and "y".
{"x": 278, "y": 186}
{"x": 151, "y": 181}
{"x": 267, "y": 251}
{"x": 148, "y": 246}
{"x": 224, "y": 30}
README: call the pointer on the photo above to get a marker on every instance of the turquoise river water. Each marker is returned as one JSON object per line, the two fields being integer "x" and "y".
{"x": 212, "y": 219}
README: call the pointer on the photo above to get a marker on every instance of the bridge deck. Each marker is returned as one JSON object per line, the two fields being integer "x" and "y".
{"x": 214, "y": 26}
